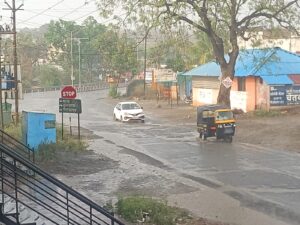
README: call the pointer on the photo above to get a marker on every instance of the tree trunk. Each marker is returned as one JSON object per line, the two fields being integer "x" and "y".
{"x": 224, "y": 95}
{"x": 224, "y": 91}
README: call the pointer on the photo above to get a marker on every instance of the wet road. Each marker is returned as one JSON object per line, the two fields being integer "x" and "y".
{"x": 266, "y": 181}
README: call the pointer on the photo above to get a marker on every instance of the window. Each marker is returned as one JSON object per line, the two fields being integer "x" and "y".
{"x": 224, "y": 115}
{"x": 241, "y": 83}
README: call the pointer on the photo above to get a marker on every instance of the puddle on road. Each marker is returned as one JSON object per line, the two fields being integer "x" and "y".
{"x": 155, "y": 186}
{"x": 143, "y": 158}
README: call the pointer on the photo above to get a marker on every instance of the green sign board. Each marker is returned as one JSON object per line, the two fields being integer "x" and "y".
{"x": 69, "y": 105}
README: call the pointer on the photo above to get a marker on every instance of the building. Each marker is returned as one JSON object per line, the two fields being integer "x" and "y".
{"x": 263, "y": 78}
{"x": 267, "y": 38}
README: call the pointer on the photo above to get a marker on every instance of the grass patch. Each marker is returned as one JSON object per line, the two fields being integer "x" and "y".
{"x": 133, "y": 209}
{"x": 14, "y": 130}
{"x": 113, "y": 91}
{"x": 265, "y": 113}
{"x": 48, "y": 152}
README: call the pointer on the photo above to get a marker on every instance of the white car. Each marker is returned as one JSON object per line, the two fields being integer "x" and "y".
{"x": 127, "y": 111}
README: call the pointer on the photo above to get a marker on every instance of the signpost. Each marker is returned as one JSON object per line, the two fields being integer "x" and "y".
{"x": 281, "y": 95}
{"x": 69, "y": 104}
{"x": 68, "y": 92}
{"x": 227, "y": 82}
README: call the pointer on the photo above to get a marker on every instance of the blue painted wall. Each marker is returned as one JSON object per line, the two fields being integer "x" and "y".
{"x": 38, "y": 128}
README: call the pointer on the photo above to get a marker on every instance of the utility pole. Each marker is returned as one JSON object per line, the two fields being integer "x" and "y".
{"x": 1, "y": 106}
{"x": 145, "y": 65}
{"x": 79, "y": 60}
{"x": 14, "y": 32}
{"x": 72, "y": 67}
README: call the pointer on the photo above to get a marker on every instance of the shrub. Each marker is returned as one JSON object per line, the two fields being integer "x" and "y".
{"x": 113, "y": 92}
{"x": 132, "y": 209}
{"x": 14, "y": 131}
{"x": 136, "y": 89}
{"x": 49, "y": 151}
{"x": 265, "y": 113}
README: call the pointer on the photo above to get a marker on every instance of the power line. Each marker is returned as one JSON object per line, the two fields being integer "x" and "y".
{"x": 57, "y": 3}
{"x": 85, "y": 15}
{"x": 74, "y": 10}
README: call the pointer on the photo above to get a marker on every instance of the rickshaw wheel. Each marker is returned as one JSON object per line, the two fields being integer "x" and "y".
{"x": 228, "y": 139}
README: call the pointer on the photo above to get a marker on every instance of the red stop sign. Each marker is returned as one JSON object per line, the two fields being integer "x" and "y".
{"x": 68, "y": 92}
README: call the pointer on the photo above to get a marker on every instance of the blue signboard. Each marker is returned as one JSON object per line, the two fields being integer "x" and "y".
{"x": 278, "y": 95}
{"x": 284, "y": 95}
{"x": 293, "y": 95}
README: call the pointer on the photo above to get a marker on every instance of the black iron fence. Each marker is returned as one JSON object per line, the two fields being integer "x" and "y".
{"x": 47, "y": 198}
{"x": 17, "y": 146}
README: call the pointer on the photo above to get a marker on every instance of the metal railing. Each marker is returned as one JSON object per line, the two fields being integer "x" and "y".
{"x": 82, "y": 88}
{"x": 17, "y": 146}
{"x": 44, "y": 195}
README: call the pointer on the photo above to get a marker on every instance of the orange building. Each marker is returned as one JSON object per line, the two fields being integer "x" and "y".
{"x": 263, "y": 78}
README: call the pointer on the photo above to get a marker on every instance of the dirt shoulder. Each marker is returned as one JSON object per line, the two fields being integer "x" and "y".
{"x": 280, "y": 130}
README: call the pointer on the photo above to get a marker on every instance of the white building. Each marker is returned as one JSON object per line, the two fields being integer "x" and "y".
{"x": 268, "y": 39}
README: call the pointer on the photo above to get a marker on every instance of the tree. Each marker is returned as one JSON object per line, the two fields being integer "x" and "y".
{"x": 30, "y": 50}
{"x": 48, "y": 75}
{"x": 117, "y": 51}
{"x": 58, "y": 39}
{"x": 223, "y": 22}
{"x": 91, "y": 59}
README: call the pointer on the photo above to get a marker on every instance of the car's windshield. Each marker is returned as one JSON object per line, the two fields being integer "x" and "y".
{"x": 129, "y": 106}
{"x": 224, "y": 115}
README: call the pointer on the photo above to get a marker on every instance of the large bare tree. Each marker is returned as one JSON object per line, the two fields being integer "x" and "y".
{"x": 223, "y": 21}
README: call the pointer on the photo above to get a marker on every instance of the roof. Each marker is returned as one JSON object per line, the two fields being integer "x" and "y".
{"x": 279, "y": 79}
{"x": 272, "y": 62}
{"x": 129, "y": 102}
{"x": 295, "y": 78}
{"x": 211, "y": 107}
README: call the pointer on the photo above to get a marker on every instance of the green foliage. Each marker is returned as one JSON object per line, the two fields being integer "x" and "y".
{"x": 265, "y": 113}
{"x": 113, "y": 91}
{"x": 159, "y": 213}
{"x": 222, "y": 22}
{"x": 48, "y": 152}
{"x": 135, "y": 88}
{"x": 49, "y": 75}
{"x": 14, "y": 131}
{"x": 117, "y": 51}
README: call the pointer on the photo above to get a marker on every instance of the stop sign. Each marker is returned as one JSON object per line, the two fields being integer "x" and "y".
{"x": 68, "y": 92}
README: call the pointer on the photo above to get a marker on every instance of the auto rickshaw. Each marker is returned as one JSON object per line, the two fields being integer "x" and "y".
{"x": 215, "y": 121}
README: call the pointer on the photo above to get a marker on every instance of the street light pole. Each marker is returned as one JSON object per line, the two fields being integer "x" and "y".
{"x": 145, "y": 65}
{"x": 1, "y": 106}
{"x": 14, "y": 33}
{"x": 72, "y": 67}
{"x": 79, "y": 60}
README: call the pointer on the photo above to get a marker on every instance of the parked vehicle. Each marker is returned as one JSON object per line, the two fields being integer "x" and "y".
{"x": 128, "y": 111}
{"x": 215, "y": 121}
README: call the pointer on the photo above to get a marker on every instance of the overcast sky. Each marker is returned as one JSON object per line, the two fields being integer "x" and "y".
{"x": 38, "y": 12}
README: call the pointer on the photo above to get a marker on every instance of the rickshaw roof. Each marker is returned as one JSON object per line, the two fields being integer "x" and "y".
{"x": 212, "y": 107}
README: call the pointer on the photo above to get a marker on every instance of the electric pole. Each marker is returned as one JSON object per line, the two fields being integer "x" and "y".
{"x": 14, "y": 33}
{"x": 79, "y": 57}
{"x": 1, "y": 106}
{"x": 145, "y": 64}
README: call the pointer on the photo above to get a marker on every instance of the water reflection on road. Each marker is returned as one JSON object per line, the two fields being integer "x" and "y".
{"x": 264, "y": 180}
